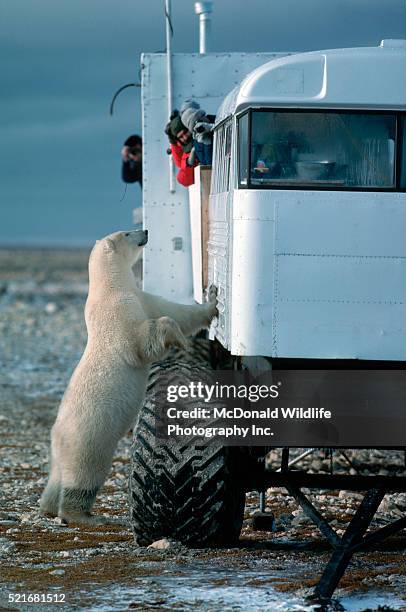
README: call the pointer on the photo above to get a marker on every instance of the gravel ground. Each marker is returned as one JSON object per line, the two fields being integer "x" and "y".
{"x": 42, "y": 294}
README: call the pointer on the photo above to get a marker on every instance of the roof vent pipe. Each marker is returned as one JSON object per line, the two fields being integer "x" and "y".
{"x": 204, "y": 9}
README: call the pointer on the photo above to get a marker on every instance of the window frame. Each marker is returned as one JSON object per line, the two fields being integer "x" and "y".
{"x": 238, "y": 149}
{"x": 396, "y": 188}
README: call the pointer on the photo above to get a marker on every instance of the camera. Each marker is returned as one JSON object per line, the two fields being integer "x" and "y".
{"x": 135, "y": 150}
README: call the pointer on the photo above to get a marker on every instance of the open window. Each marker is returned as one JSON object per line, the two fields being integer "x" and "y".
{"x": 348, "y": 150}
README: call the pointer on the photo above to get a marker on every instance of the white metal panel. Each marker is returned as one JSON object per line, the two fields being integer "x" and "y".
{"x": 166, "y": 272}
{"x": 319, "y": 274}
{"x": 340, "y": 223}
{"x": 219, "y": 256}
{"x": 324, "y": 279}
{"x": 363, "y": 332}
{"x": 252, "y": 287}
{"x": 195, "y": 207}
{"x": 340, "y": 261}
{"x": 167, "y": 256}
{"x": 206, "y": 78}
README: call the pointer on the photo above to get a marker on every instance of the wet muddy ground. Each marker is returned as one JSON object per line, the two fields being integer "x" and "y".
{"x": 42, "y": 336}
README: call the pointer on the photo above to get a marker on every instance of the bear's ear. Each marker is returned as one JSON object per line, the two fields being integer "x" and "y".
{"x": 109, "y": 246}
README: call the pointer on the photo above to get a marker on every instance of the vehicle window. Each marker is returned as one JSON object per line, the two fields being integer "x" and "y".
{"x": 214, "y": 176}
{"x": 337, "y": 149}
{"x": 243, "y": 149}
{"x": 227, "y": 158}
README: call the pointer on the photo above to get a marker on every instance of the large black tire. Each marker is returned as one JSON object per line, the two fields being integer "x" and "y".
{"x": 190, "y": 493}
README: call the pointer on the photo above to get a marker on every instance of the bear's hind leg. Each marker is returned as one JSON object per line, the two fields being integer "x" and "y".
{"x": 50, "y": 498}
{"x": 49, "y": 502}
{"x": 76, "y": 504}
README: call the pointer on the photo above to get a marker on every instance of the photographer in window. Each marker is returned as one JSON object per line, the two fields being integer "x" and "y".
{"x": 131, "y": 153}
{"x": 191, "y": 139}
{"x": 181, "y": 148}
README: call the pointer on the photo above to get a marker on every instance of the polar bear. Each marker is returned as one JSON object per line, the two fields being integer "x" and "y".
{"x": 127, "y": 330}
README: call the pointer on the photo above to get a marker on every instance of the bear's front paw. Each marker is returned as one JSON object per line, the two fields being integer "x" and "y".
{"x": 212, "y": 294}
{"x": 212, "y": 301}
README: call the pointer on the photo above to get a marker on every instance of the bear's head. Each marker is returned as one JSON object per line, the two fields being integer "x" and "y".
{"x": 124, "y": 245}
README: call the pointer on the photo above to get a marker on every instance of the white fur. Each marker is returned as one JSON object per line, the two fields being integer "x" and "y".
{"x": 127, "y": 330}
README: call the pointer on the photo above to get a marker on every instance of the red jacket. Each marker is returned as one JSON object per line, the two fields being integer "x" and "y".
{"x": 186, "y": 174}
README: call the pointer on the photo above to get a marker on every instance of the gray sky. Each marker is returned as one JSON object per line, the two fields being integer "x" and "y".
{"x": 63, "y": 60}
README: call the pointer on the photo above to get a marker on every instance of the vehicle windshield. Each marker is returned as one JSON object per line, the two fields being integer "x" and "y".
{"x": 340, "y": 150}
